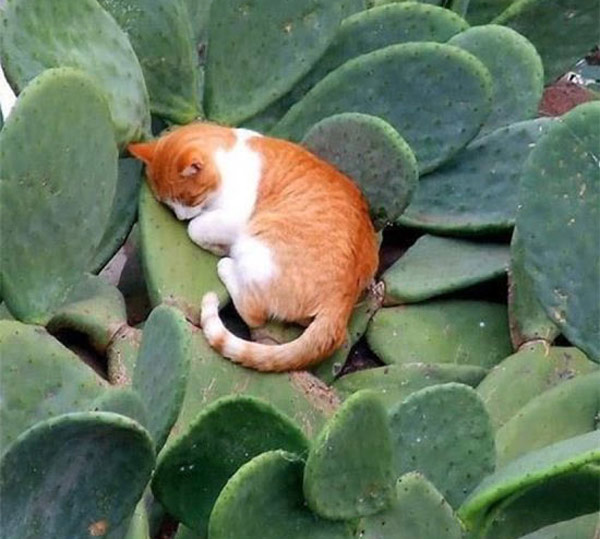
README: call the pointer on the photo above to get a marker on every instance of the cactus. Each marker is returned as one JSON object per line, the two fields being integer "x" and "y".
{"x": 571, "y": 23}
{"x": 177, "y": 271}
{"x": 365, "y": 32}
{"x": 122, "y": 401}
{"x": 59, "y": 183}
{"x": 483, "y": 11}
{"x": 106, "y": 457}
{"x": 372, "y": 153}
{"x": 435, "y": 266}
{"x": 527, "y": 319}
{"x": 564, "y": 411}
{"x": 281, "y": 42}
{"x": 582, "y": 527}
{"x": 40, "y": 379}
{"x": 392, "y": 86}
{"x": 516, "y": 69}
{"x": 162, "y": 39}
{"x": 419, "y": 511}
{"x": 529, "y": 470}
{"x": 543, "y": 504}
{"x": 122, "y": 214}
{"x": 36, "y": 36}
{"x": 92, "y": 307}
{"x": 450, "y": 331}
{"x": 477, "y": 191}
{"x": 394, "y": 383}
{"x": 527, "y": 374}
{"x": 445, "y": 433}
{"x": 349, "y": 470}
{"x": 264, "y": 499}
{"x": 122, "y": 356}
{"x": 560, "y": 197}
{"x": 231, "y": 431}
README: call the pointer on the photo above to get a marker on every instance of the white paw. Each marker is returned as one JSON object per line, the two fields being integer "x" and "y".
{"x": 210, "y": 304}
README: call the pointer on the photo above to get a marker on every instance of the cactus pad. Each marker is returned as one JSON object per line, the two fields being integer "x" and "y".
{"x": 281, "y": 42}
{"x": 477, "y": 191}
{"x": 531, "y": 469}
{"x": 562, "y": 31}
{"x": 122, "y": 214}
{"x": 516, "y": 69}
{"x": 393, "y": 383}
{"x": 435, "y": 266}
{"x": 527, "y": 319}
{"x": 123, "y": 401}
{"x": 530, "y": 372}
{"x": 372, "y": 153}
{"x": 564, "y": 411}
{"x": 264, "y": 499}
{"x": 560, "y": 196}
{"x": 40, "y": 379}
{"x": 161, "y": 369}
{"x": 193, "y": 470}
{"x": 445, "y": 433}
{"x": 162, "y": 38}
{"x": 395, "y": 81}
{"x": 582, "y": 527}
{"x": 483, "y": 11}
{"x": 349, "y": 470}
{"x": 108, "y": 460}
{"x": 451, "y": 331}
{"x": 419, "y": 511}
{"x": 177, "y": 271}
{"x": 59, "y": 192}
{"x": 37, "y": 35}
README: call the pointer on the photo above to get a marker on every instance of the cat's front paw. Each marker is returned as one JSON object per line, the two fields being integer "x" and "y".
{"x": 219, "y": 250}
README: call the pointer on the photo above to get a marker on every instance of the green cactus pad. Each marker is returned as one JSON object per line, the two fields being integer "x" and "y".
{"x": 516, "y": 69}
{"x": 562, "y": 31}
{"x": 107, "y": 459}
{"x": 395, "y": 82}
{"x": 528, "y": 470}
{"x": 122, "y": 356}
{"x": 393, "y": 383}
{"x": 530, "y": 372}
{"x": 37, "y": 35}
{"x": 435, "y": 266}
{"x": 374, "y": 155}
{"x": 349, "y": 470}
{"x": 228, "y": 433}
{"x": 300, "y": 396}
{"x": 60, "y": 191}
{"x": 445, "y": 433}
{"x": 124, "y": 401}
{"x": 177, "y": 271}
{"x": 40, "y": 379}
{"x": 138, "y": 526}
{"x": 527, "y": 319}
{"x": 281, "y": 42}
{"x": 483, "y": 11}
{"x": 560, "y": 498}
{"x": 122, "y": 214}
{"x": 565, "y": 411}
{"x": 451, "y": 331}
{"x": 162, "y": 38}
{"x": 264, "y": 499}
{"x": 582, "y": 527}
{"x": 477, "y": 191}
{"x": 560, "y": 197}
{"x": 419, "y": 511}
{"x": 92, "y": 307}
{"x": 161, "y": 369}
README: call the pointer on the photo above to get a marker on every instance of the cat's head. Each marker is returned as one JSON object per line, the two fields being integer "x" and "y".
{"x": 180, "y": 166}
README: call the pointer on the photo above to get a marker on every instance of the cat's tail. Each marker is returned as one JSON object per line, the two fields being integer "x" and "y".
{"x": 320, "y": 339}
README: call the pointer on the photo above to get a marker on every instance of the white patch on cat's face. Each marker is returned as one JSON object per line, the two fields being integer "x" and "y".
{"x": 183, "y": 212}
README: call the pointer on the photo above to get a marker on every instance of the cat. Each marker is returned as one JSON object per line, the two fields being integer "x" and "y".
{"x": 295, "y": 233}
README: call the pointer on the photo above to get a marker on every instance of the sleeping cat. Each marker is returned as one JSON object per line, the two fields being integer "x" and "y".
{"x": 295, "y": 233}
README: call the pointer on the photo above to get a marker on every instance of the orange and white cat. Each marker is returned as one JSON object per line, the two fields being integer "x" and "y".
{"x": 298, "y": 242}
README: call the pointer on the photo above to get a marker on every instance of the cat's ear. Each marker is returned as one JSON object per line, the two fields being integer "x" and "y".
{"x": 190, "y": 167}
{"x": 144, "y": 151}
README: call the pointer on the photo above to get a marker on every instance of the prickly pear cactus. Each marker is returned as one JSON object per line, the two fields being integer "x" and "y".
{"x": 372, "y": 153}
{"x": 581, "y": 527}
{"x": 108, "y": 459}
{"x": 60, "y": 182}
{"x": 37, "y": 35}
{"x": 560, "y": 197}
{"x": 393, "y": 80}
